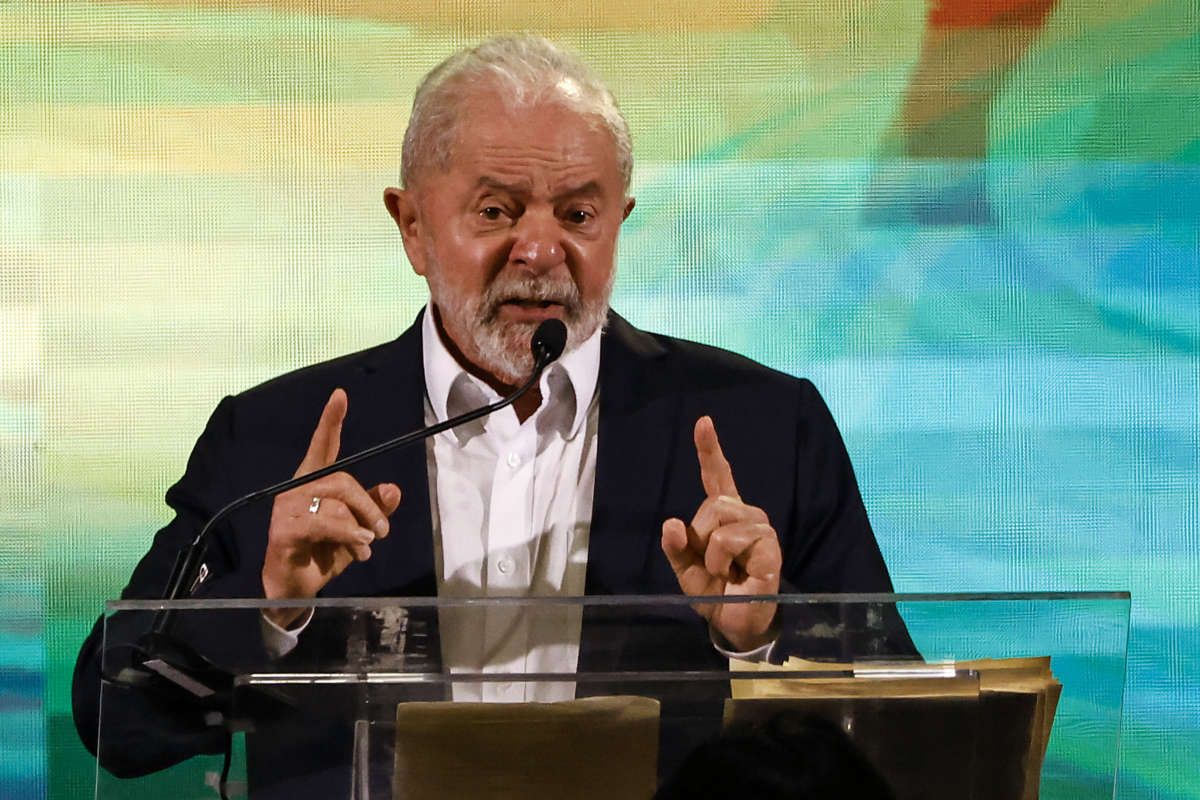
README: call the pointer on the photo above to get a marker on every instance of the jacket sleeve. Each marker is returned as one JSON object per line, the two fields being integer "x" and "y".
{"x": 833, "y": 550}
{"x": 145, "y": 730}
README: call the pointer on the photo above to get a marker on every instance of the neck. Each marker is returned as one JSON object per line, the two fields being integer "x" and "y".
{"x": 524, "y": 406}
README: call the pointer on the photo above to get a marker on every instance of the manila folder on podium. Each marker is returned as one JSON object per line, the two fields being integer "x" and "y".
{"x": 971, "y": 729}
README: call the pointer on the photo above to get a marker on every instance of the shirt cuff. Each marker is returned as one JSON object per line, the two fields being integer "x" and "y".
{"x": 724, "y": 647}
{"x": 281, "y": 641}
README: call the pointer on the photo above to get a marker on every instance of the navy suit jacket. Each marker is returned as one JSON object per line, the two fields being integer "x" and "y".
{"x": 777, "y": 434}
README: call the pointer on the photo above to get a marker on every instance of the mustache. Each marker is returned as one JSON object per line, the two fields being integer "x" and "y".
{"x": 525, "y": 289}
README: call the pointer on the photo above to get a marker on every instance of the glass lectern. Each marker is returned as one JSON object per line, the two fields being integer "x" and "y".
{"x": 1004, "y": 696}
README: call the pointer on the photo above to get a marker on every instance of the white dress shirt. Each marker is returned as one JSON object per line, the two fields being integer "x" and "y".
{"x": 511, "y": 506}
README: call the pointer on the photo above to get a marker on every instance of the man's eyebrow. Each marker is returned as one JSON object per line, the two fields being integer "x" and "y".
{"x": 589, "y": 188}
{"x": 488, "y": 182}
{"x": 522, "y": 188}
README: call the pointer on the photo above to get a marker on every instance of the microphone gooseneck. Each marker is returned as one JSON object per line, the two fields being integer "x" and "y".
{"x": 547, "y": 344}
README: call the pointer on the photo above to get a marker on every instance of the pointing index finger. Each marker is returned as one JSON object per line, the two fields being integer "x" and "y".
{"x": 715, "y": 472}
{"x": 327, "y": 438}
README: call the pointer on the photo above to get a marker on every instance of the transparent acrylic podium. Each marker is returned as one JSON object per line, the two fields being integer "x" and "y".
{"x": 965, "y": 696}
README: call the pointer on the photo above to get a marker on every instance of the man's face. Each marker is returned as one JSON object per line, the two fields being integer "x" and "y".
{"x": 520, "y": 228}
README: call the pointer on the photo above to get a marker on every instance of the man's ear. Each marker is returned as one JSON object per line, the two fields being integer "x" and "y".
{"x": 629, "y": 203}
{"x": 402, "y": 206}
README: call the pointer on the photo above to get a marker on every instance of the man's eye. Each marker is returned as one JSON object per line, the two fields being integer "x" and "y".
{"x": 492, "y": 213}
{"x": 578, "y": 216}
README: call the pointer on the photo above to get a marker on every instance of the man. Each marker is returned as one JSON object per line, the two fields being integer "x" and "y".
{"x": 610, "y": 477}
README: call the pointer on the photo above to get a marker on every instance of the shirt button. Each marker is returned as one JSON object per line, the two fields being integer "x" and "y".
{"x": 514, "y": 460}
{"x": 505, "y": 565}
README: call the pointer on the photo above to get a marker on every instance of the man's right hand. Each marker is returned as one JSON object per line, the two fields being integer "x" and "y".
{"x": 305, "y": 550}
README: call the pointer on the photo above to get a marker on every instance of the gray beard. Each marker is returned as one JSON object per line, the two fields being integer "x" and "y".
{"x": 502, "y": 347}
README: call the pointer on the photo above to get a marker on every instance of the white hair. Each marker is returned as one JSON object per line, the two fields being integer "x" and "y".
{"x": 523, "y": 70}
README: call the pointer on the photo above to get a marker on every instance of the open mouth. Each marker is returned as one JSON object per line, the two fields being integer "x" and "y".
{"x": 527, "y": 310}
{"x": 516, "y": 301}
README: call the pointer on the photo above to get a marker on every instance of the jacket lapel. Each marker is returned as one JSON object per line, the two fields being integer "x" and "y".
{"x": 389, "y": 401}
{"x": 636, "y": 436}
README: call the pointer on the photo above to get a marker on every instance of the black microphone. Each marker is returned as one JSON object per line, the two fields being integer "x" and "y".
{"x": 547, "y": 344}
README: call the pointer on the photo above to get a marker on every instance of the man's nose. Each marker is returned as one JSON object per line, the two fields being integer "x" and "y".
{"x": 538, "y": 243}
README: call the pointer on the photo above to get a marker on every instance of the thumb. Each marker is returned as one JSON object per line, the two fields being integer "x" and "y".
{"x": 675, "y": 545}
{"x": 686, "y": 563}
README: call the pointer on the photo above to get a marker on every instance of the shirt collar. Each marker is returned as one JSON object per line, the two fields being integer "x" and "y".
{"x": 444, "y": 375}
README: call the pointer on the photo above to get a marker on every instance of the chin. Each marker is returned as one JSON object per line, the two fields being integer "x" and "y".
{"x": 505, "y": 353}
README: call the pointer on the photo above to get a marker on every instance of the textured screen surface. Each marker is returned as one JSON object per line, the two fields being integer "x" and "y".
{"x": 973, "y": 224}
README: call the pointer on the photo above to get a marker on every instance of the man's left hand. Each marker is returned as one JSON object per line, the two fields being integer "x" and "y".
{"x": 728, "y": 549}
